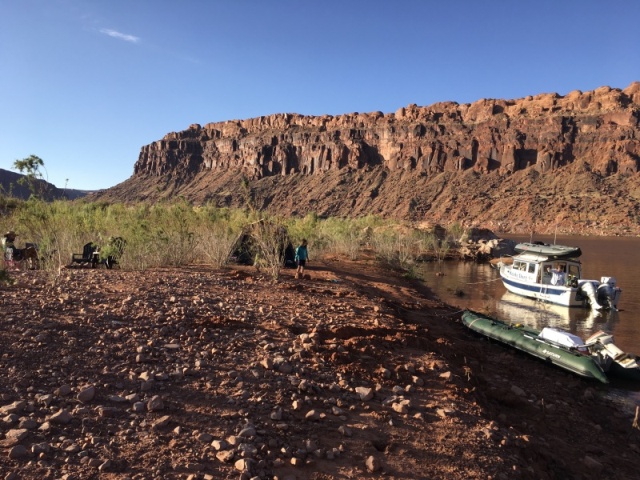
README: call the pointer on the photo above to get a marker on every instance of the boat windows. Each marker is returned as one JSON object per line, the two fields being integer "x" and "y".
{"x": 532, "y": 268}
{"x": 574, "y": 271}
{"x": 518, "y": 265}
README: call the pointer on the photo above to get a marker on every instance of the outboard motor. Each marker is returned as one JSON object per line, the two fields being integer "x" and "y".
{"x": 606, "y": 292}
{"x": 589, "y": 291}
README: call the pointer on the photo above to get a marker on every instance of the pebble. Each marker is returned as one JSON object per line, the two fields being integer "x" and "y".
{"x": 517, "y": 391}
{"x": 64, "y": 390}
{"x": 62, "y": 417}
{"x": 39, "y": 448}
{"x": 365, "y": 393}
{"x": 86, "y": 394}
{"x": 15, "y": 436}
{"x": 205, "y": 437}
{"x": 401, "y": 406}
{"x": 18, "y": 451}
{"x": 276, "y": 414}
{"x": 219, "y": 444}
{"x": 161, "y": 422}
{"x": 243, "y": 465}
{"x": 592, "y": 464}
{"x": 15, "y": 407}
{"x": 247, "y": 432}
{"x": 373, "y": 464}
{"x": 155, "y": 404}
{"x": 312, "y": 415}
{"x": 28, "y": 423}
{"x": 225, "y": 456}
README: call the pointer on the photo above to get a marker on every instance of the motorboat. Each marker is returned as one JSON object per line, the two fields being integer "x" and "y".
{"x": 550, "y": 344}
{"x": 614, "y": 361}
{"x": 553, "y": 273}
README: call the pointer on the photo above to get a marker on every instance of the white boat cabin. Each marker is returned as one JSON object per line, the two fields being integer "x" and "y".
{"x": 553, "y": 273}
{"x": 541, "y": 270}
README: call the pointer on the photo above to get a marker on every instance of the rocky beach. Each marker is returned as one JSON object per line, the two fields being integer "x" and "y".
{"x": 354, "y": 372}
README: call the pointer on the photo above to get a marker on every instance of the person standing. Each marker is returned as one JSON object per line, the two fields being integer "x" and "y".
{"x": 302, "y": 255}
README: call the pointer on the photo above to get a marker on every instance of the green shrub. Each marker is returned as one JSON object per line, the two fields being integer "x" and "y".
{"x": 177, "y": 233}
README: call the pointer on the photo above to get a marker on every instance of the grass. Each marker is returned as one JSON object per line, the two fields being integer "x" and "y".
{"x": 177, "y": 233}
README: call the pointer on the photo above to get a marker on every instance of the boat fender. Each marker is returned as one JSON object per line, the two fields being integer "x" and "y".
{"x": 589, "y": 290}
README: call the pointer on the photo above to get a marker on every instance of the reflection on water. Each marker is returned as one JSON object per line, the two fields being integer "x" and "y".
{"x": 478, "y": 287}
{"x": 538, "y": 315}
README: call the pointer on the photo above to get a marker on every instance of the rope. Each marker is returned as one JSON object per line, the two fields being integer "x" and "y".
{"x": 451, "y": 314}
{"x": 486, "y": 281}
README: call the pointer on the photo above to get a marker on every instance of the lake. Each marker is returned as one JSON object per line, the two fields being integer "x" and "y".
{"x": 478, "y": 287}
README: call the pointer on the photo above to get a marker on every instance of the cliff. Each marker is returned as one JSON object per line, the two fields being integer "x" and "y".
{"x": 508, "y": 164}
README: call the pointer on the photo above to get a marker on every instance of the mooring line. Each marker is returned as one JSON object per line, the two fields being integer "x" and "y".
{"x": 486, "y": 281}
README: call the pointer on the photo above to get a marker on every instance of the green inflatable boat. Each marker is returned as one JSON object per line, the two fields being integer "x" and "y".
{"x": 555, "y": 349}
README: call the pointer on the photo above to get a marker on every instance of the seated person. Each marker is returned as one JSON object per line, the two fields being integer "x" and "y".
{"x": 546, "y": 274}
{"x": 11, "y": 253}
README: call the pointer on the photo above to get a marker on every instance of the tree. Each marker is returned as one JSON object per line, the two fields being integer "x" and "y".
{"x": 31, "y": 167}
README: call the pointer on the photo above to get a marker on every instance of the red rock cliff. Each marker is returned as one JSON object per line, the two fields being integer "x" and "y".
{"x": 514, "y": 165}
{"x": 545, "y": 132}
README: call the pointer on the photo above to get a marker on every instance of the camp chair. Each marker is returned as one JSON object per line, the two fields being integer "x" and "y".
{"x": 88, "y": 256}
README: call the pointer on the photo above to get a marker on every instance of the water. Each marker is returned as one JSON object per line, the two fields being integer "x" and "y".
{"x": 478, "y": 287}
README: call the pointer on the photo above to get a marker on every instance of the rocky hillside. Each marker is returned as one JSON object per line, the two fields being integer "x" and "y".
{"x": 10, "y": 185}
{"x": 509, "y": 165}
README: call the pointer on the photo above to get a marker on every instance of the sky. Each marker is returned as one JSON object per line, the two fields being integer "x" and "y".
{"x": 85, "y": 84}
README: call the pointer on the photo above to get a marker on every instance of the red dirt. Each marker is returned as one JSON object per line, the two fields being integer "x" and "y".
{"x": 242, "y": 367}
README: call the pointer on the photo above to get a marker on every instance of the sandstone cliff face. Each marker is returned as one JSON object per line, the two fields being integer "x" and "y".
{"x": 546, "y": 132}
{"x": 443, "y": 162}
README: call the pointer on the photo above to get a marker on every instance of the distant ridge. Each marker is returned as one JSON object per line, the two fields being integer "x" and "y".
{"x": 10, "y": 185}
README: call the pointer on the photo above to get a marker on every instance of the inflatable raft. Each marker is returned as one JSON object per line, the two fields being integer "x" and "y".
{"x": 554, "y": 346}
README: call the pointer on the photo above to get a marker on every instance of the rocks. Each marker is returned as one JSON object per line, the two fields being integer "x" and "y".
{"x": 243, "y": 465}
{"x": 161, "y": 422}
{"x": 225, "y": 456}
{"x": 155, "y": 404}
{"x": 402, "y": 406}
{"x": 364, "y": 393}
{"x": 592, "y": 464}
{"x": 517, "y": 391}
{"x": 86, "y": 394}
{"x": 14, "y": 437}
{"x": 61, "y": 417}
{"x": 221, "y": 406}
{"x": 15, "y": 407}
{"x": 313, "y": 415}
{"x": 18, "y": 452}
{"x": 373, "y": 464}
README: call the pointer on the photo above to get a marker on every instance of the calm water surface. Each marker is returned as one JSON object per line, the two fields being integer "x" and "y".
{"x": 478, "y": 287}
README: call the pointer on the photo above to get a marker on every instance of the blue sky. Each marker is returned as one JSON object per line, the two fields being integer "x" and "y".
{"x": 84, "y": 84}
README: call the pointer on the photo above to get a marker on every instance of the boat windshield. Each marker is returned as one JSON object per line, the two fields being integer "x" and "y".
{"x": 520, "y": 265}
{"x": 574, "y": 271}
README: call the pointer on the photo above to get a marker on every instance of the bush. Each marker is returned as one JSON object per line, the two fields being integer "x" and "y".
{"x": 177, "y": 233}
